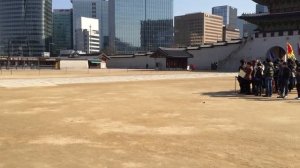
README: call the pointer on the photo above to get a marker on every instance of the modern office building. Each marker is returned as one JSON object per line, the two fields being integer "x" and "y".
{"x": 230, "y": 34}
{"x": 156, "y": 33}
{"x": 97, "y": 9}
{"x": 198, "y": 28}
{"x": 62, "y": 30}
{"x": 140, "y": 25}
{"x": 87, "y": 35}
{"x": 25, "y": 27}
{"x": 261, "y": 9}
{"x": 246, "y": 29}
{"x": 229, "y": 15}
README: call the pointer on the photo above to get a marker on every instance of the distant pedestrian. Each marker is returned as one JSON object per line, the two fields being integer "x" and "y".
{"x": 269, "y": 74}
{"x": 241, "y": 77}
{"x": 292, "y": 80}
{"x": 248, "y": 78}
{"x": 258, "y": 79}
{"x": 276, "y": 74}
{"x": 254, "y": 66}
{"x": 284, "y": 78}
{"x": 298, "y": 80}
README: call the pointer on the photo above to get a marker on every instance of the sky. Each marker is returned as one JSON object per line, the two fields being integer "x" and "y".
{"x": 182, "y": 7}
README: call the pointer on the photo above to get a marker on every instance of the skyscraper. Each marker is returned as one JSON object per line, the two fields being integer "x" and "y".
{"x": 62, "y": 30}
{"x": 261, "y": 9}
{"x": 229, "y": 15}
{"x": 140, "y": 25}
{"x": 25, "y": 27}
{"x": 97, "y": 9}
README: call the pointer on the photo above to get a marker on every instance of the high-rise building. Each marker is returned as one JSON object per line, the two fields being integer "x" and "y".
{"x": 97, "y": 9}
{"x": 156, "y": 33}
{"x": 87, "y": 35}
{"x": 261, "y": 9}
{"x": 230, "y": 34}
{"x": 25, "y": 27}
{"x": 246, "y": 29}
{"x": 62, "y": 30}
{"x": 229, "y": 15}
{"x": 198, "y": 28}
{"x": 140, "y": 25}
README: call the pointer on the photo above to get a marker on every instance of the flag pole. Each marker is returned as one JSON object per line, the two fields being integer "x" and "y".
{"x": 287, "y": 52}
{"x": 285, "y": 58}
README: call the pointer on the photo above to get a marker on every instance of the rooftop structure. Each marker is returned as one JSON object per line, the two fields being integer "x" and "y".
{"x": 283, "y": 16}
{"x": 174, "y": 57}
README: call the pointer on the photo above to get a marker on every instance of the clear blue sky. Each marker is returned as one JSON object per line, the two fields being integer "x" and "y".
{"x": 188, "y": 6}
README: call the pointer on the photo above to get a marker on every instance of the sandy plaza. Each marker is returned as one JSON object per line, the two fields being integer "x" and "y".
{"x": 137, "y": 119}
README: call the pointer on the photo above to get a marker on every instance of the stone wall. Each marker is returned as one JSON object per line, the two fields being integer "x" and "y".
{"x": 258, "y": 48}
{"x": 131, "y": 62}
{"x": 227, "y": 56}
{"x": 74, "y": 64}
{"x": 204, "y": 57}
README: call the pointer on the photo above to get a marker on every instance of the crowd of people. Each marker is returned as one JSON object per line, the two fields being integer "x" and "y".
{"x": 266, "y": 78}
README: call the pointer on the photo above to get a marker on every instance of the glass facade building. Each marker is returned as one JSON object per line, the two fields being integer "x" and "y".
{"x": 261, "y": 9}
{"x": 229, "y": 15}
{"x": 62, "y": 30}
{"x": 140, "y": 25}
{"x": 97, "y": 9}
{"x": 25, "y": 27}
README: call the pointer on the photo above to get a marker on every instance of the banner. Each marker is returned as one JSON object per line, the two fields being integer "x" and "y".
{"x": 290, "y": 52}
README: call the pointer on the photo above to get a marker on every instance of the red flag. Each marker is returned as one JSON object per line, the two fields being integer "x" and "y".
{"x": 290, "y": 51}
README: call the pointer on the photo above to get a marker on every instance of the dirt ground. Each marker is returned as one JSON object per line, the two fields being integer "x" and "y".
{"x": 197, "y": 123}
{"x": 45, "y": 73}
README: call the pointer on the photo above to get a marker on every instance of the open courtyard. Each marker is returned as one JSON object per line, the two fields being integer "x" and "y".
{"x": 142, "y": 119}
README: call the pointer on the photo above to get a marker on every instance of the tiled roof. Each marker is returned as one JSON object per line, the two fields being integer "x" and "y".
{"x": 171, "y": 53}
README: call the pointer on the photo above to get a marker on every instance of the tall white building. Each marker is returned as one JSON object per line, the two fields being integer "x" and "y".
{"x": 87, "y": 35}
{"x": 97, "y": 9}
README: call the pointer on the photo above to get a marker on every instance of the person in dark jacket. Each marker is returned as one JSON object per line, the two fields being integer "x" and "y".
{"x": 280, "y": 67}
{"x": 276, "y": 74}
{"x": 292, "y": 80}
{"x": 258, "y": 79}
{"x": 269, "y": 74}
{"x": 248, "y": 77}
{"x": 241, "y": 77}
{"x": 298, "y": 80}
{"x": 284, "y": 77}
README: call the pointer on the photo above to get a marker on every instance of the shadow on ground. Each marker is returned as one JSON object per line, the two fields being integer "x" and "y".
{"x": 233, "y": 95}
